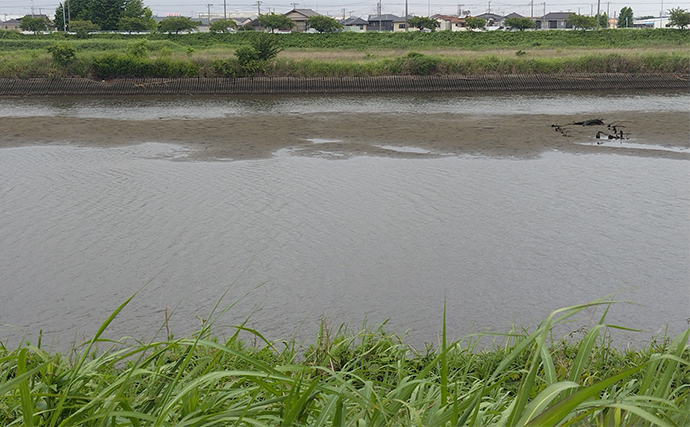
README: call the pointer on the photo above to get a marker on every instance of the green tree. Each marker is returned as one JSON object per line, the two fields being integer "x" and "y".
{"x": 222, "y": 25}
{"x": 324, "y": 24}
{"x": 273, "y": 22}
{"x": 473, "y": 23}
{"x": 137, "y": 20}
{"x": 422, "y": 22}
{"x": 625, "y": 18}
{"x": 679, "y": 18}
{"x": 34, "y": 23}
{"x": 104, "y": 13}
{"x": 603, "y": 20}
{"x": 175, "y": 24}
{"x": 83, "y": 28}
{"x": 519, "y": 23}
{"x": 581, "y": 21}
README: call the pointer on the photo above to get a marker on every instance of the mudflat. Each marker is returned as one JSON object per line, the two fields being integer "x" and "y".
{"x": 344, "y": 135}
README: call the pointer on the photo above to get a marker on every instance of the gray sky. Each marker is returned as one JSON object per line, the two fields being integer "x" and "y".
{"x": 362, "y": 8}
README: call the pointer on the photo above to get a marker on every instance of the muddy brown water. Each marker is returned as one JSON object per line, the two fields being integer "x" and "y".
{"x": 294, "y": 239}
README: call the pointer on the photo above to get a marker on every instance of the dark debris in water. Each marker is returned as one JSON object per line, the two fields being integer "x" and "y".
{"x": 613, "y": 129}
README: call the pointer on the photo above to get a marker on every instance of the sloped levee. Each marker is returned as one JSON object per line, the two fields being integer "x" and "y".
{"x": 302, "y": 85}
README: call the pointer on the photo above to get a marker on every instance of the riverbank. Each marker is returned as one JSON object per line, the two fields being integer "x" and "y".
{"x": 327, "y": 85}
{"x": 343, "y": 135}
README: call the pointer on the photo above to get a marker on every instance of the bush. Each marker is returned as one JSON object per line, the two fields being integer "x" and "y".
{"x": 63, "y": 53}
{"x": 138, "y": 49}
{"x": 418, "y": 64}
{"x": 113, "y": 66}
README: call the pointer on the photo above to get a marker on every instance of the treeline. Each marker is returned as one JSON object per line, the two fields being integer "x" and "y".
{"x": 617, "y": 38}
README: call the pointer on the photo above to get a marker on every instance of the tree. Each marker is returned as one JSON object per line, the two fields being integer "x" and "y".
{"x": 104, "y": 13}
{"x": 175, "y": 24}
{"x": 273, "y": 22}
{"x": 473, "y": 23}
{"x": 625, "y": 18}
{"x": 679, "y": 18}
{"x": 137, "y": 25}
{"x": 422, "y": 22}
{"x": 83, "y": 28}
{"x": 35, "y": 24}
{"x": 581, "y": 21}
{"x": 222, "y": 25}
{"x": 324, "y": 24}
{"x": 519, "y": 23}
{"x": 603, "y": 20}
{"x": 137, "y": 20}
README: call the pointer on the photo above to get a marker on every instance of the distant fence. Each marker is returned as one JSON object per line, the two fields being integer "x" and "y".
{"x": 328, "y": 85}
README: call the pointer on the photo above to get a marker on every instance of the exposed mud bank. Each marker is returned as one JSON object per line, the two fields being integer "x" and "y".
{"x": 302, "y": 85}
{"x": 344, "y": 135}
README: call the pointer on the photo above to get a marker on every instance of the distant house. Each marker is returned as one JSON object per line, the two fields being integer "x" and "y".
{"x": 300, "y": 17}
{"x": 450, "y": 23}
{"x": 554, "y": 21}
{"x": 254, "y": 24}
{"x": 381, "y": 22}
{"x": 11, "y": 24}
{"x": 400, "y": 24}
{"x": 354, "y": 24}
{"x": 203, "y": 24}
{"x": 492, "y": 19}
{"x": 511, "y": 15}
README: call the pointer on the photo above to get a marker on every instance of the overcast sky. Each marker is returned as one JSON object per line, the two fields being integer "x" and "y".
{"x": 363, "y": 8}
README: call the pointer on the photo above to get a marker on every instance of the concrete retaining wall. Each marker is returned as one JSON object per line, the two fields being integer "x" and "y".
{"x": 299, "y": 85}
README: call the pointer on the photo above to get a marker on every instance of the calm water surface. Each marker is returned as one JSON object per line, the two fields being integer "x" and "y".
{"x": 292, "y": 239}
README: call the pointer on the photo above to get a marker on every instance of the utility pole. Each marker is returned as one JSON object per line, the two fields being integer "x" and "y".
{"x": 406, "y": 16}
{"x": 208, "y": 6}
{"x": 531, "y": 9}
{"x": 599, "y": 13}
{"x": 378, "y": 12}
{"x": 64, "y": 23}
{"x": 68, "y": 14}
{"x": 294, "y": 5}
{"x": 225, "y": 11}
{"x": 489, "y": 8}
{"x": 258, "y": 7}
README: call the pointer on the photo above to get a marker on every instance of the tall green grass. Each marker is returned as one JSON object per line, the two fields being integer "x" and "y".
{"x": 368, "y": 378}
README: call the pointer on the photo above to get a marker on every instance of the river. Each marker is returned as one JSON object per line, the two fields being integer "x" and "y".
{"x": 290, "y": 240}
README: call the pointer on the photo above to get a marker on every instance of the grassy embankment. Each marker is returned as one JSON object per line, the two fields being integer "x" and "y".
{"x": 350, "y": 54}
{"x": 369, "y": 378}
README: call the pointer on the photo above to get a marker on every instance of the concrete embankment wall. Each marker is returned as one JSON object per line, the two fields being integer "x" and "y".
{"x": 326, "y": 85}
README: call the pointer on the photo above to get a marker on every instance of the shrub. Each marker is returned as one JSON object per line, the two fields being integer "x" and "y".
{"x": 63, "y": 53}
{"x": 138, "y": 49}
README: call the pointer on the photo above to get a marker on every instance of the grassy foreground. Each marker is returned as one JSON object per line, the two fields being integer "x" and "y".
{"x": 368, "y": 378}
{"x": 346, "y": 54}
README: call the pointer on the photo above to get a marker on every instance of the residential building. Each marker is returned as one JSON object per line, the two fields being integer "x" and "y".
{"x": 554, "y": 21}
{"x": 492, "y": 19}
{"x": 382, "y": 22}
{"x": 450, "y": 23}
{"x": 400, "y": 24}
{"x": 354, "y": 24}
{"x": 300, "y": 17}
{"x": 11, "y": 24}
